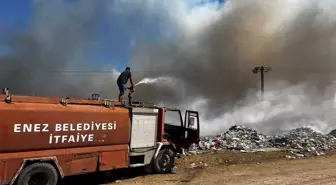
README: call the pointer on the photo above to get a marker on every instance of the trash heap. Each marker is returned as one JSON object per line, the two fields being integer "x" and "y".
{"x": 236, "y": 138}
{"x": 301, "y": 142}
{"x": 304, "y": 142}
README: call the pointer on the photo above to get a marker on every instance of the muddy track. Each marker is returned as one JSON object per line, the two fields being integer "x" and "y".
{"x": 239, "y": 169}
{"x": 281, "y": 172}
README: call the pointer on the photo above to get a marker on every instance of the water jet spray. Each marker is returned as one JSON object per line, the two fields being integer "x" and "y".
{"x": 154, "y": 80}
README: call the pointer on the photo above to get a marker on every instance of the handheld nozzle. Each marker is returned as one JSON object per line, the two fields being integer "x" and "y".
{"x": 131, "y": 88}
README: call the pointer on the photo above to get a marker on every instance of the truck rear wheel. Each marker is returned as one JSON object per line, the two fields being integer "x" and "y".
{"x": 38, "y": 174}
{"x": 164, "y": 162}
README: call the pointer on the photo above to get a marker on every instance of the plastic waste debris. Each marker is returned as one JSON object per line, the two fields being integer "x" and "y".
{"x": 302, "y": 142}
{"x": 174, "y": 169}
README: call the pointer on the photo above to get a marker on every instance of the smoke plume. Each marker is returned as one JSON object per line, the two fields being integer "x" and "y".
{"x": 295, "y": 38}
{"x": 51, "y": 57}
{"x": 210, "y": 62}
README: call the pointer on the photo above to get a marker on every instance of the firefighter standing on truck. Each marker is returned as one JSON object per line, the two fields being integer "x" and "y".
{"x": 122, "y": 82}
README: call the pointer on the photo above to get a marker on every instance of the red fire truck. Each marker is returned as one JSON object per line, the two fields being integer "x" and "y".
{"x": 43, "y": 139}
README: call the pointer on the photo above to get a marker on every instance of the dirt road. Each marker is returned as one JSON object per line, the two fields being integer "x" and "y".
{"x": 231, "y": 169}
{"x": 315, "y": 171}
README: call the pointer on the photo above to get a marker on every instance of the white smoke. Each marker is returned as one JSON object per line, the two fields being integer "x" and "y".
{"x": 283, "y": 107}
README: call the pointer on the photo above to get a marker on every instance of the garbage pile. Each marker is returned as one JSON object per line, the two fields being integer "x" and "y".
{"x": 236, "y": 138}
{"x": 305, "y": 142}
{"x": 301, "y": 142}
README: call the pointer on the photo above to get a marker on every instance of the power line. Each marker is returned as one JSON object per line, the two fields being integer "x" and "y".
{"x": 114, "y": 73}
{"x": 159, "y": 70}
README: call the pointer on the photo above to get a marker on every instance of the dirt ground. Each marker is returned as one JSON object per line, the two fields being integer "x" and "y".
{"x": 231, "y": 168}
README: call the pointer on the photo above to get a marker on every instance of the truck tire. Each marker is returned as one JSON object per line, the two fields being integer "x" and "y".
{"x": 164, "y": 162}
{"x": 38, "y": 174}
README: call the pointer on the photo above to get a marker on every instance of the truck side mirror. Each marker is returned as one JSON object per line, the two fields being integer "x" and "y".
{"x": 192, "y": 122}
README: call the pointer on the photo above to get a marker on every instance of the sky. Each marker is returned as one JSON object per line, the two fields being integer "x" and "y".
{"x": 116, "y": 44}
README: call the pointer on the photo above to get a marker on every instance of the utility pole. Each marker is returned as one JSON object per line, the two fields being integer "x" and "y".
{"x": 261, "y": 70}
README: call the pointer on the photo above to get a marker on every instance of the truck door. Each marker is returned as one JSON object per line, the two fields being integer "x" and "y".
{"x": 174, "y": 129}
{"x": 191, "y": 125}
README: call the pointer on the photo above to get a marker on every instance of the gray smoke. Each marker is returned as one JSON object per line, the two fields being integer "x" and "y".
{"x": 52, "y": 58}
{"x": 218, "y": 64}
{"x": 295, "y": 38}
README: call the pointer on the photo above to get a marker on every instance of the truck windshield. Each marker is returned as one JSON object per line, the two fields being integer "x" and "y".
{"x": 173, "y": 118}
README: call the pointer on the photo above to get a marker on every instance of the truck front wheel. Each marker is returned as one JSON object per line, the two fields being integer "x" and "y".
{"x": 38, "y": 174}
{"x": 164, "y": 162}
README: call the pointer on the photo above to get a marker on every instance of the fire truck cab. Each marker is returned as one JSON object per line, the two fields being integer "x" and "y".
{"x": 182, "y": 132}
{"x": 174, "y": 134}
